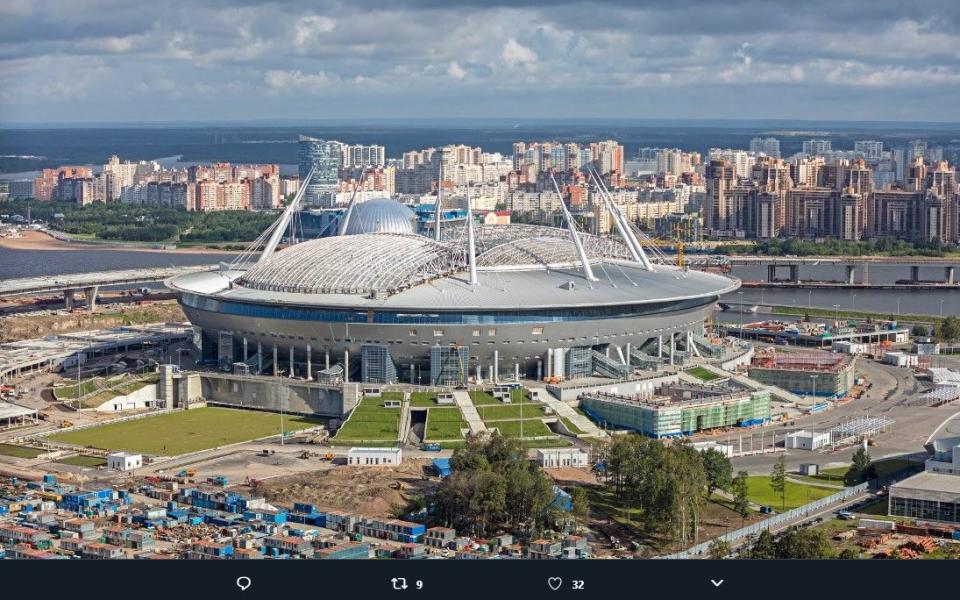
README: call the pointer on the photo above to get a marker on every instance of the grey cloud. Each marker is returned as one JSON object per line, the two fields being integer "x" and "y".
{"x": 596, "y": 58}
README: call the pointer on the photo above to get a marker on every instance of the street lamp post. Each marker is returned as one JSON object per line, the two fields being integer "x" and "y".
{"x": 854, "y": 302}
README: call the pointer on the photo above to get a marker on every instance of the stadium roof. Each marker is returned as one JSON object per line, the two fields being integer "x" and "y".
{"x": 381, "y": 215}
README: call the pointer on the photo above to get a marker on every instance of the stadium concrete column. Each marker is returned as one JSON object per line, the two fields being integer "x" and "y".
{"x": 496, "y": 366}
{"x": 628, "y": 353}
{"x": 292, "y": 374}
{"x": 346, "y": 366}
{"x": 479, "y": 373}
{"x": 309, "y": 366}
{"x": 539, "y": 369}
{"x": 412, "y": 374}
{"x": 516, "y": 371}
{"x": 549, "y": 362}
{"x": 275, "y": 359}
{"x": 91, "y": 294}
{"x": 259, "y": 358}
{"x": 558, "y": 362}
{"x": 326, "y": 359}
{"x": 660, "y": 346}
{"x": 245, "y": 350}
{"x": 672, "y": 346}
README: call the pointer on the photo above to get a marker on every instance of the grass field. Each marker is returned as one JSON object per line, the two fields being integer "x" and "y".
{"x": 481, "y": 398}
{"x": 797, "y": 494}
{"x": 83, "y": 461}
{"x": 702, "y": 374}
{"x": 69, "y": 392}
{"x": 444, "y": 424}
{"x": 510, "y": 411}
{"x": 185, "y": 431}
{"x": 420, "y": 399}
{"x": 884, "y": 469}
{"x": 570, "y": 426}
{"x": 531, "y": 428}
{"x": 370, "y": 422}
{"x": 20, "y": 451}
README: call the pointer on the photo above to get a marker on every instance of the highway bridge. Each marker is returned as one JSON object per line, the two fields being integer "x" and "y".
{"x": 89, "y": 283}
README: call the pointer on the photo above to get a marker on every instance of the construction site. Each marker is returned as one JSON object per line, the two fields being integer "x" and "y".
{"x": 681, "y": 408}
{"x": 812, "y": 373}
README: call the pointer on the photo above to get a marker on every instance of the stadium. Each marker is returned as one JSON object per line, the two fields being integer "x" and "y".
{"x": 380, "y": 303}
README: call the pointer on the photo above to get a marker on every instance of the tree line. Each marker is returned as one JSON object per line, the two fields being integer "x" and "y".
{"x": 832, "y": 247}
{"x": 133, "y": 222}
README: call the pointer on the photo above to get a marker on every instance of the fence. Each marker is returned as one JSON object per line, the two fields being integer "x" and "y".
{"x": 774, "y": 521}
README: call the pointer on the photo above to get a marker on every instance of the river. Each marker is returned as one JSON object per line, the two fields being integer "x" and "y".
{"x": 16, "y": 263}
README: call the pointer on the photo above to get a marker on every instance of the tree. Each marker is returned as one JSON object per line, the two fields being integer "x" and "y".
{"x": 919, "y": 330}
{"x": 719, "y": 549}
{"x": 581, "y": 506}
{"x": 949, "y": 330}
{"x": 778, "y": 480}
{"x": 802, "y": 543}
{"x": 862, "y": 467}
{"x": 763, "y": 547}
{"x": 718, "y": 470}
{"x": 741, "y": 503}
{"x": 849, "y": 554}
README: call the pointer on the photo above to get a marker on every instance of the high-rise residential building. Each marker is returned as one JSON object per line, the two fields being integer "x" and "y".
{"x": 741, "y": 160}
{"x": 359, "y": 155}
{"x": 717, "y": 208}
{"x": 21, "y": 188}
{"x": 815, "y": 147}
{"x": 870, "y": 149}
{"x": 916, "y": 148}
{"x": 325, "y": 156}
{"x": 124, "y": 175}
{"x": 769, "y": 146}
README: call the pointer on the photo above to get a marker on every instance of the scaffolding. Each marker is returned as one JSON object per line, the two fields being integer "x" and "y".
{"x": 643, "y": 360}
{"x": 449, "y": 365}
{"x": 333, "y": 375}
{"x": 662, "y": 416}
{"x": 608, "y": 367}
{"x": 376, "y": 364}
{"x": 578, "y": 362}
{"x": 858, "y": 428}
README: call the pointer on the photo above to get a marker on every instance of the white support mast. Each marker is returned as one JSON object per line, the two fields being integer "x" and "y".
{"x": 620, "y": 227}
{"x": 436, "y": 221}
{"x": 353, "y": 198}
{"x": 588, "y": 272}
{"x": 471, "y": 247}
{"x": 636, "y": 249}
{"x": 281, "y": 224}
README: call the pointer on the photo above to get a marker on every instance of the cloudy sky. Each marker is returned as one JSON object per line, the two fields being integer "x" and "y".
{"x": 125, "y": 60}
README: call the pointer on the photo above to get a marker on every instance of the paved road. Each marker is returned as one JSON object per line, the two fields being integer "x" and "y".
{"x": 892, "y": 388}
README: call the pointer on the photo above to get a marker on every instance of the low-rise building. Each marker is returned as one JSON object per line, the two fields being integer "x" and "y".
{"x": 550, "y": 458}
{"x": 124, "y": 461}
{"x": 933, "y": 495}
{"x": 439, "y": 537}
{"x": 813, "y": 373}
{"x": 543, "y": 549}
{"x": 371, "y": 457}
{"x": 807, "y": 440}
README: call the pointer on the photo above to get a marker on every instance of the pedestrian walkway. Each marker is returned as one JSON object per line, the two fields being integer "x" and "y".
{"x": 564, "y": 410}
{"x": 469, "y": 411}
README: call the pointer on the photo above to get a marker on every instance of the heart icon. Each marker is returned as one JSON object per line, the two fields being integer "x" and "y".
{"x": 554, "y": 583}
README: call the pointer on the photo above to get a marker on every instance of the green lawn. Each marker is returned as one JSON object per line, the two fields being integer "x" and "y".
{"x": 797, "y": 494}
{"x": 370, "y": 422}
{"x": 69, "y": 392}
{"x": 702, "y": 374}
{"x": 444, "y": 424}
{"x": 481, "y": 398}
{"x": 83, "y": 461}
{"x": 884, "y": 468}
{"x": 20, "y": 451}
{"x": 570, "y": 426}
{"x": 510, "y": 411}
{"x": 531, "y": 427}
{"x": 420, "y": 399}
{"x": 185, "y": 431}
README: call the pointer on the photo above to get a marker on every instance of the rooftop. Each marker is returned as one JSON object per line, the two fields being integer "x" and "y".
{"x": 931, "y": 482}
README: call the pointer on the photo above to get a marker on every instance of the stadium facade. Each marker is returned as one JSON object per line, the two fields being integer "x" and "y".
{"x": 482, "y": 303}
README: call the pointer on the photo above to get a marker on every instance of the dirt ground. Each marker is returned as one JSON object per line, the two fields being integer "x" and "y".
{"x": 15, "y": 327}
{"x": 371, "y": 491}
